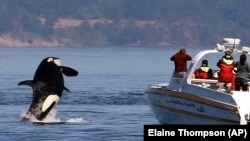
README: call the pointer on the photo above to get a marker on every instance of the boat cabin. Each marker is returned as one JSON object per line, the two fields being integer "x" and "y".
{"x": 213, "y": 56}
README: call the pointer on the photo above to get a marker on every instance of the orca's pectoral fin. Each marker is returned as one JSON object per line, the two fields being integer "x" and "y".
{"x": 26, "y": 82}
{"x": 46, "y": 112}
{"x": 34, "y": 85}
{"x": 69, "y": 71}
{"x": 66, "y": 89}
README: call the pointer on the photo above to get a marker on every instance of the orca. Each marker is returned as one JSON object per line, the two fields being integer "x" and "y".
{"x": 47, "y": 86}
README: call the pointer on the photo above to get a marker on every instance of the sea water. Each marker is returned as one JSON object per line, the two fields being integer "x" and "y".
{"x": 106, "y": 102}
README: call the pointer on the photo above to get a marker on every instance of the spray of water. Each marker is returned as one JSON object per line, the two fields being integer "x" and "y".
{"x": 51, "y": 118}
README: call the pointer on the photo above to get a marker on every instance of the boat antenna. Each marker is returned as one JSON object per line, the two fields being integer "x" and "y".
{"x": 234, "y": 38}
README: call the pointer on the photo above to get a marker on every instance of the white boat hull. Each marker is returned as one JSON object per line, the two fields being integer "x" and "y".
{"x": 169, "y": 109}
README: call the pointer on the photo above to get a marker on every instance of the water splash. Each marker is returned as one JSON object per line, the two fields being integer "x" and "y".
{"x": 51, "y": 118}
{"x": 76, "y": 120}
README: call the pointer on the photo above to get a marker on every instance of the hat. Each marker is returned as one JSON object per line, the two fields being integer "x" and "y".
{"x": 204, "y": 63}
{"x": 228, "y": 51}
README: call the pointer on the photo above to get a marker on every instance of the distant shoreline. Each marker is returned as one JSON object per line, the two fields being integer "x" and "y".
{"x": 10, "y": 42}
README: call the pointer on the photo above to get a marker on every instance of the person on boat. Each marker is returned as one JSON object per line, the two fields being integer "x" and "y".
{"x": 180, "y": 61}
{"x": 242, "y": 69}
{"x": 204, "y": 72}
{"x": 226, "y": 75}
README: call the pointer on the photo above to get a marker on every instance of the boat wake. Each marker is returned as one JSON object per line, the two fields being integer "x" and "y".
{"x": 50, "y": 119}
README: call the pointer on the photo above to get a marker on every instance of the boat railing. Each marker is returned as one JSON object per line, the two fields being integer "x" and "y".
{"x": 160, "y": 85}
{"x": 204, "y": 80}
{"x": 206, "y": 83}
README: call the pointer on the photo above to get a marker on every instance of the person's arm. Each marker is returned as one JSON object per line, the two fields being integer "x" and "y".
{"x": 218, "y": 63}
{"x": 210, "y": 73}
{"x": 196, "y": 73}
{"x": 172, "y": 58}
{"x": 189, "y": 57}
{"x": 248, "y": 67}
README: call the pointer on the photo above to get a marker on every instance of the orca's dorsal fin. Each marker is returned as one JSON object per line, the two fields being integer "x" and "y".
{"x": 69, "y": 71}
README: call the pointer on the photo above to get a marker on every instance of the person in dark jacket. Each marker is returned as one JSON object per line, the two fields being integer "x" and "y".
{"x": 242, "y": 69}
{"x": 180, "y": 61}
{"x": 204, "y": 72}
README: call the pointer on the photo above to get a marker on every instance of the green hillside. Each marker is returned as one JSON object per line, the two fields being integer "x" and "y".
{"x": 122, "y": 22}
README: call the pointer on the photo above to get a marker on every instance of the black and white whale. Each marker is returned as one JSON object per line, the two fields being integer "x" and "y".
{"x": 48, "y": 86}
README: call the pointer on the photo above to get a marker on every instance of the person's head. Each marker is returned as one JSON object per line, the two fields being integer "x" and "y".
{"x": 243, "y": 59}
{"x": 228, "y": 52}
{"x": 182, "y": 50}
{"x": 204, "y": 63}
{"x": 227, "y": 59}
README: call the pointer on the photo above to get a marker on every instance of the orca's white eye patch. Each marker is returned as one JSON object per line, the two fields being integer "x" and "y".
{"x": 57, "y": 62}
{"x": 50, "y": 59}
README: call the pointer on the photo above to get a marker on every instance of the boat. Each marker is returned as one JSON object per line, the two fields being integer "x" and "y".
{"x": 188, "y": 100}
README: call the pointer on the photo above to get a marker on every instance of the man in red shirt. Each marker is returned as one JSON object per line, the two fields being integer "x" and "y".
{"x": 180, "y": 61}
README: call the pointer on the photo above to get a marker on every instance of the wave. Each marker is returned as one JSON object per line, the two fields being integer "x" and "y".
{"x": 105, "y": 98}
